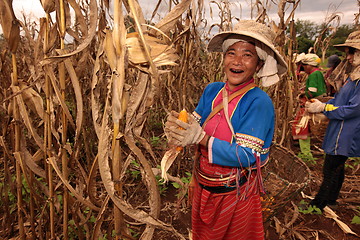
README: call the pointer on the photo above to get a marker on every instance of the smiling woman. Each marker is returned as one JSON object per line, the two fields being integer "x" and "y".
{"x": 233, "y": 126}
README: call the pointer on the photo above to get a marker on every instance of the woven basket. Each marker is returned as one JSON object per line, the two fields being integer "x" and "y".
{"x": 318, "y": 127}
{"x": 285, "y": 176}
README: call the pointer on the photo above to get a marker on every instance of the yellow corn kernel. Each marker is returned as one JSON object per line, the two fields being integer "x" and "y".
{"x": 183, "y": 117}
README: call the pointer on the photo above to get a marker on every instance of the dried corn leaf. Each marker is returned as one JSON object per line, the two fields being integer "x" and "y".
{"x": 331, "y": 214}
{"x": 59, "y": 97}
{"x": 118, "y": 76}
{"x": 85, "y": 43}
{"x": 95, "y": 92}
{"x": 161, "y": 54}
{"x": 32, "y": 99}
{"x": 25, "y": 116}
{"x": 103, "y": 155}
{"x": 48, "y": 5}
{"x": 78, "y": 96}
{"x": 80, "y": 21}
{"x": 137, "y": 103}
{"x": 53, "y": 39}
{"x": 31, "y": 164}
{"x": 9, "y": 24}
{"x": 110, "y": 49}
{"x": 69, "y": 187}
{"x": 168, "y": 22}
{"x": 166, "y": 162}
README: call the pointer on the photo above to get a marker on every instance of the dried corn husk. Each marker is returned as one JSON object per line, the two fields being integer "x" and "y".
{"x": 331, "y": 214}
{"x": 9, "y": 24}
{"x": 48, "y": 5}
{"x": 316, "y": 118}
{"x": 161, "y": 53}
{"x": 167, "y": 161}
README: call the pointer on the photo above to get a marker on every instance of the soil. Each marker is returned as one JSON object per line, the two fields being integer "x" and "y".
{"x": 283, "y": 219}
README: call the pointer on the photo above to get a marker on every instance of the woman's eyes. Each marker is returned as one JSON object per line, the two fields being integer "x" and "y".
{"x": 243, "y": 54}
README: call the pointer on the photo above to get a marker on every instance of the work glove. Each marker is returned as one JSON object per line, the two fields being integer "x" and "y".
{"x": 182, "y": 134}
{"x": 314, "y": 106}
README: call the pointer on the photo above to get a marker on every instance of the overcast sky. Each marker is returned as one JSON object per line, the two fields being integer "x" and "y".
{"x": 313, "y": 10}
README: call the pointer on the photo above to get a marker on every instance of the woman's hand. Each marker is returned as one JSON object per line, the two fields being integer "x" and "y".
{"x": 182, "y": 134}
{"x": 314, "y": 106}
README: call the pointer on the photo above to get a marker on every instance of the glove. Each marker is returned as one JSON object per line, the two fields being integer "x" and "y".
{"x": 192, "y": 132}
{"x": 170, "y": 127}
{"x": 315, "y": 106}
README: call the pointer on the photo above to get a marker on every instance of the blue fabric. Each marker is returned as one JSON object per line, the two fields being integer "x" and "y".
{"x": 343, "y": 132}
{"x": 254, "y": 116}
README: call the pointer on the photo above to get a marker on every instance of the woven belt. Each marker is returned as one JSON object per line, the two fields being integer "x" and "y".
{"x": 225, "y": 188}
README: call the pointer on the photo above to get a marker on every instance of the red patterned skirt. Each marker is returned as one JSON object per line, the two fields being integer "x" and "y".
{"x": 228, "y": 216}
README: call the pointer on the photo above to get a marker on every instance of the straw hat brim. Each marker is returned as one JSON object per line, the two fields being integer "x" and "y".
{"x": 343, "y": 46}
{"x": 215, "y": 45}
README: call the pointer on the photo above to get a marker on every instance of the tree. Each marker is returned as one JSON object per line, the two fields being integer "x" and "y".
{"x": 340, "y": 37}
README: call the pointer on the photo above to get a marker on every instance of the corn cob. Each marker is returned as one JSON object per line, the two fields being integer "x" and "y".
{"x": 183, "y": 117}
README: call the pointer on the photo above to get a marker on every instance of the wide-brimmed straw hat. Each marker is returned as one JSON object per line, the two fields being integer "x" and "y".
{"x": 254, "y": 30}
{"x": 353, "y": 41}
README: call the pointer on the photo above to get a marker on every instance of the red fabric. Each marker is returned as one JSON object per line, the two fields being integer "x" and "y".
{"x": 304, "y": 132}
{"x": 226, "y": 216}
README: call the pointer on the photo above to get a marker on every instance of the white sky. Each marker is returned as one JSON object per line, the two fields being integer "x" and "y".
{"x": 313, "y": 10}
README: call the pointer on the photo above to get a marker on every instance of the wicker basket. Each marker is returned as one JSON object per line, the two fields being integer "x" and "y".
{"x": 285, "y": 176}
{"x": 318, "y": 126}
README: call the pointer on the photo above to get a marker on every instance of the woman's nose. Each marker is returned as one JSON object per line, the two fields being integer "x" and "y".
{"x": 237, "y": 60}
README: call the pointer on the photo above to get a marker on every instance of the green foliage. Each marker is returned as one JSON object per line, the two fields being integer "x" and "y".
{"x": 356, "y": 218}
{"x": 340, "y": 36}
{"x": 308, "y": 209}
{"x": 307, "y": 31}
{"x": 352, "y": 163}
{"x": 162, "y": 185}
{"x": 309, "y": 160}
{"x": 304, "y": 44}
{"x": 134, "y": 171}
{"x": 185, "y": 180}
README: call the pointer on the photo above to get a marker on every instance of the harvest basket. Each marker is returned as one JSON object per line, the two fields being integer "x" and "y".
{"x": 318, "y": 127}
{"x": 285, "y": 176}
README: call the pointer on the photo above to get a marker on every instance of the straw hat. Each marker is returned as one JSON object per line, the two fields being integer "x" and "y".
{"x": 254, "y": 30}
{"x": 353, "y": 41}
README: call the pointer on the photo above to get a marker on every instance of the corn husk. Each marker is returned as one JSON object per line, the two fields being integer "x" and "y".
{"x": 161, "y": 53}
{"x": 166, "y": 162}
{"x": 9, "y": 24}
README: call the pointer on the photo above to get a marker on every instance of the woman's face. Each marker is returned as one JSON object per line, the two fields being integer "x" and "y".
{"x": 353, "y": 56}
{"x": 241, "y": 62}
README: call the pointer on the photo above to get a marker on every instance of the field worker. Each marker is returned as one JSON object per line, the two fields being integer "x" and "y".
{"x": 233, "y": 126}
{"x": 315, "y": 87}
{"x": 333, "y": 62}
{"x": 300, "y": 132}
{"x": 342, "y": 139}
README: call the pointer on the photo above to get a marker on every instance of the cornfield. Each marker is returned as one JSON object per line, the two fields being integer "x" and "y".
{"x": 80, "y": 119}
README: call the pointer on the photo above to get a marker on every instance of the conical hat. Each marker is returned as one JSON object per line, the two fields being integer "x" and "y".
{"x": 353, "y": 41}
{"x": 254, "y": 30}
